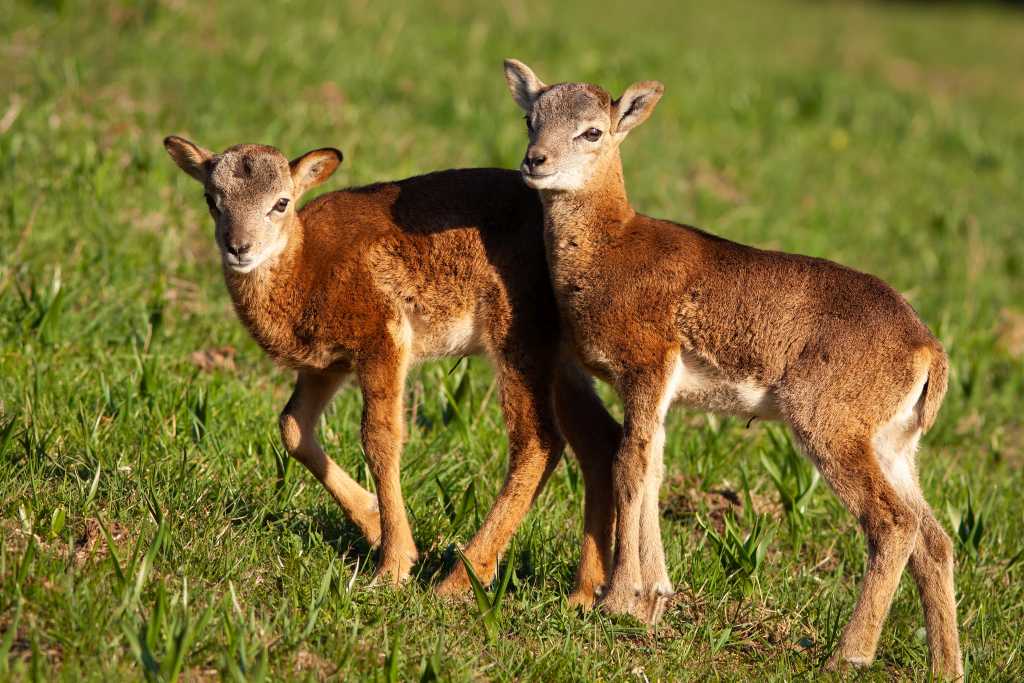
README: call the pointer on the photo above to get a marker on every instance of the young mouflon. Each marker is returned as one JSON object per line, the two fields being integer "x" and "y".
{"x": 363, "y": 283}
{"x": 669, "y": 314}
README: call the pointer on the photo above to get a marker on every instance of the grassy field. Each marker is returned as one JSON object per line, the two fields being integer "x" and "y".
{"x": 150, "y": 524}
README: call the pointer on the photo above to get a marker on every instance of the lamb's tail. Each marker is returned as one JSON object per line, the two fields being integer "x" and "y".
{"x": 934, "y": 388}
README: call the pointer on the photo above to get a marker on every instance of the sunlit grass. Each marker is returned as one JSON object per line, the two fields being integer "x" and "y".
{"x": 151, "y": 524}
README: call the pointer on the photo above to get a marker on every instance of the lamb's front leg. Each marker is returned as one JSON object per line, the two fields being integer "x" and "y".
{"x": 657, "y": 587}
{"x": 639, "y": 558}
{"x": 382, "y": 378}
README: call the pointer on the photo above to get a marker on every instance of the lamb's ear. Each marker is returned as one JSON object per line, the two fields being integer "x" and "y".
{"x": 313, "y": 168}
{"x": 523, "y": 83}
{"x": 190, "y": 157}
{"x": 635, "y": 105}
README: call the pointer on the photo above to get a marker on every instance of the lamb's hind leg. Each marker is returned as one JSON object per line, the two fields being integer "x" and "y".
{"x": 535, "y": 447}
{"x": 931, "y": 560}
{"x": 890, "y": 522}
{"x": 931, "y": 563}
{"x": 594, "y": 437}
{"x": 298, "y": 424}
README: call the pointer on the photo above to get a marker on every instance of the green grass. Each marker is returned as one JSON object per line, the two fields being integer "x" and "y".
{"x": 149, "y": 522}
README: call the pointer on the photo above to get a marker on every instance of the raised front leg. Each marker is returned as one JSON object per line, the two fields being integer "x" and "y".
{"x": 298, "y": 424}
{"x": 646, "y": 396}
{"x": 382, "y": 378}
{"x": 594, "y": 437}
{"x": 535, "y": 447}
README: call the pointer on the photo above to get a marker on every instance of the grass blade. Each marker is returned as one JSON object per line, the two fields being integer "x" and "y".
{"x": 8, "y": 640}
{"x": 483, "y": 600}
{"x": 7, "y": 433}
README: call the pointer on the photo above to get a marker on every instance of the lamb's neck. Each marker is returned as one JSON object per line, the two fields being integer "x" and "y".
{"x": 577, "y": 222}
{"x": 267, "y": 297}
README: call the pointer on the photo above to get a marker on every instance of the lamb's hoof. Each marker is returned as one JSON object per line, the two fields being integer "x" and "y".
{"x": 393, "y": 573}
{"x": 584, "y": 598}
{"x": 838, "y": 663}
{"x": 455, "y": 585}
{"x": 624, "y": 601}
{"x": 657, "y": 602}
{"x": 388, "y": 578}
{"x": 948, "y": 668}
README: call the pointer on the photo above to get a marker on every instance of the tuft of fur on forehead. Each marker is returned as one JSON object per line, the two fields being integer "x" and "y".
{"x": 257, "y": 169}
{"x": 574, "y": 97}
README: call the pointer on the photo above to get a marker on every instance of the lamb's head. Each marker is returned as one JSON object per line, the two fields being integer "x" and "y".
{"x": 574, "y": 128}
{"x": 252, "y": 192}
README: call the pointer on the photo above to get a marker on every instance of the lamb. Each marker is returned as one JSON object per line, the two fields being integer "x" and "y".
{"x": 667, "y": 313}
{"x": 365, "y": 282}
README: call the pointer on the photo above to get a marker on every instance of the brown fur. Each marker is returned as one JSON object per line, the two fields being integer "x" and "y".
{"x": 666, "y": 312}
{"x": 370, "y": 280}
{"x": 935, "y": 390}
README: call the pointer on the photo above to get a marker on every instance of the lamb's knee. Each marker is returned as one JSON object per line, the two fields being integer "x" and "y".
{"x": 943, "y": 550}
{"x": 937, "y": 544}
{"x": 891, "y": 526}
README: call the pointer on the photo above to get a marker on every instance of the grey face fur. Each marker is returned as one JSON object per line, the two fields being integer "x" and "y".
{"x": 249, "y": 187}
{"x": 573, "y": 127}
{"x": 251, "y": 192}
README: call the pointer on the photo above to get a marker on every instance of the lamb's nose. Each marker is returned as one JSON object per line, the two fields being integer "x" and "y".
{"x": 237, "y": 250}
{"x": 535, "y": 160}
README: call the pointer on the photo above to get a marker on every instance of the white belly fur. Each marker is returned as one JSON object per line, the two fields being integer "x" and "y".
{"x": 432, "y": 339}
{"x": 697, "y": 385}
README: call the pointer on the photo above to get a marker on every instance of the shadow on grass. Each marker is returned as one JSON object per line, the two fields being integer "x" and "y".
{"x": 325, "y": 524}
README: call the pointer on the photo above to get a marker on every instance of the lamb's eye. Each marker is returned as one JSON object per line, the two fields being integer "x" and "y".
{"x": 281, "y": 205}
{"x": 592, "y": 134}
{"x": 211, "y": 204}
